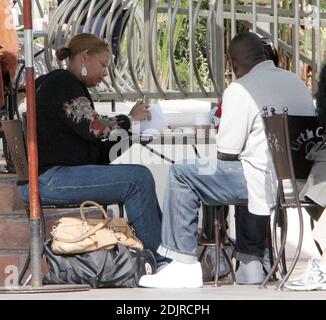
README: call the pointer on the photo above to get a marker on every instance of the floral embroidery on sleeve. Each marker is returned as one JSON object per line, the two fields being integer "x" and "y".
{"x": 80, "y": 109}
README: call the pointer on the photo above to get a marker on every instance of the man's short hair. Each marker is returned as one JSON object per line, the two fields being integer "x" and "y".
{"x": 247, "y": 48}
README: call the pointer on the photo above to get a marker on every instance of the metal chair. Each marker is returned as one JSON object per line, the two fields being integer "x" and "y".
{"x": 14, "y": 132}
{"x": 289, "y": 138}
{"x": 214, "y": 233}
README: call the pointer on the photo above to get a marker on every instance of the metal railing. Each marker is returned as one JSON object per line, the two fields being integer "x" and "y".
{"x": 136, "y": 72}
{"x": 150, "y": 37}
{"x": 303, "y": 23}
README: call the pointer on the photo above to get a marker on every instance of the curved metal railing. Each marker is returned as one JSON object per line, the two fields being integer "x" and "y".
{"x": 137, "y": 69}
{"x": 134, "y": 73}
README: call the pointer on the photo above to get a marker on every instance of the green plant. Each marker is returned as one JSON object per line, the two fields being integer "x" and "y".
{"x": 181, "y": 47}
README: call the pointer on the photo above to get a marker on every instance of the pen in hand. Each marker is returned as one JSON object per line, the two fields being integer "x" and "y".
{"x": 139, "y": 112}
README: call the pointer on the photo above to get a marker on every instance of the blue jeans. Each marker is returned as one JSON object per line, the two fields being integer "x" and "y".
{"x": 189, "y": 185}
{"x": 131, "y": 184}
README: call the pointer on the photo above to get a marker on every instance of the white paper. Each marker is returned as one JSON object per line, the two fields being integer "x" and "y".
{"x": 154, "y": 125}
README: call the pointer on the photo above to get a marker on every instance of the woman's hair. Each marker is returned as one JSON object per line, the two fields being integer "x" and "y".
{"x": 321, "y": 97}
{"x": 82, "y": 42}
{"x": 270, "y": 51}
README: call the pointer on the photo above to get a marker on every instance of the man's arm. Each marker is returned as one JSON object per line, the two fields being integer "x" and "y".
{"x": 235, "y": 123}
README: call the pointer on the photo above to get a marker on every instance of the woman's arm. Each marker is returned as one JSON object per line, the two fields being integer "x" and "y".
{"x": 75, "y": 108}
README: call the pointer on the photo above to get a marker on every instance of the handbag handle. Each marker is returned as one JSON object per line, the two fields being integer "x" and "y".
{"x": 92, "y": 203}
{"x": 90, "y": 231}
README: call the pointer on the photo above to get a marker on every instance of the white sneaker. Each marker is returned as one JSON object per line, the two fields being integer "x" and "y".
{"x": 175, "y": 275}
{"x": 250, "y": 273}
{"x": 314, "y": 278}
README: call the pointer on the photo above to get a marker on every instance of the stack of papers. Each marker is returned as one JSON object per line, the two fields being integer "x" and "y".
{"x": 153, "y": 126}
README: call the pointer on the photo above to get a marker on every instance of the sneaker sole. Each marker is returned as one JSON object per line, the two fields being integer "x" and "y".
{"x": 171, "y": 287}
{"x": 151, "y": 283}
{"x": 306, "y": 288}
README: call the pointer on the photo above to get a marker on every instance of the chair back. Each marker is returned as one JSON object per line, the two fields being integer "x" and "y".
{"x": 290, "y": 139}
{"x": 15, "y": 138}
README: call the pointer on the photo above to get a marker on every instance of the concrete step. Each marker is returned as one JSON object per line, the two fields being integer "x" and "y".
{"x": 15, "y": 238}
{"x": 15, "y": 229}
{"x": 9, "y": 196}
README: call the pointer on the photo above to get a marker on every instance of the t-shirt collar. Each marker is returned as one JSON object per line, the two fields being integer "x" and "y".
{"x": 263, "y": 65}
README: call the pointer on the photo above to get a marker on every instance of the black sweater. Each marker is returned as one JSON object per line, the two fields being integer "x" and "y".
{"x": 69, "y": 130}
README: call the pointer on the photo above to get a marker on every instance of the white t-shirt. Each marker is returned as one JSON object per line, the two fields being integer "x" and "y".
{"x": 242, "y": 129}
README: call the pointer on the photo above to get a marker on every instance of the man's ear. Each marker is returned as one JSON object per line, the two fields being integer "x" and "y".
{"x": 234, "y": 68}
{"x": 233, "y": 63}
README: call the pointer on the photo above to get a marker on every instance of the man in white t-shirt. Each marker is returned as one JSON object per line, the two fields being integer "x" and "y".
{"x": 241, "y": 136}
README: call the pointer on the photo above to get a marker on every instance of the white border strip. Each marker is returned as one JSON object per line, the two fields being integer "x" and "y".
{"x": 29, "y": 54}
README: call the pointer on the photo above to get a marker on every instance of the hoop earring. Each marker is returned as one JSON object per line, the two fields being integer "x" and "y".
{"x": 83, "y": 71}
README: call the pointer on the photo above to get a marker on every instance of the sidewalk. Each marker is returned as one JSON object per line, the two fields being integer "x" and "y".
{"x": 226, "y": 292}
{"x": 208, "y": 292}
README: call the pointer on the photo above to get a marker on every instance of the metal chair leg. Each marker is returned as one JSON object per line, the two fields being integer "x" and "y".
{"x": 284, "y": 230}
{"x": 202, "y": 253}
{"x": 279, "y": 256}
{"x": 297, "y": 252}
{"x": 214, "y": 238}
{"x": 270, "y": 249}
{"x": 217, "y": 229}
{"x": 223, "y": 229}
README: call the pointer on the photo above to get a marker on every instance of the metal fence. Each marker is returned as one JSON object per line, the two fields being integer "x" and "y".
{"x": 149, "y": 35}
{"x": 297, "y": 28}
{"x": 146, "y": 63}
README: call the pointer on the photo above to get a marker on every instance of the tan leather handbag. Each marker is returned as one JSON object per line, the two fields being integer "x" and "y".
{"x": 75, "y": 235}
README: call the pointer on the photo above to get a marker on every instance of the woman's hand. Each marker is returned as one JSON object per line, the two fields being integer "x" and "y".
{"x": 139, "y": 111}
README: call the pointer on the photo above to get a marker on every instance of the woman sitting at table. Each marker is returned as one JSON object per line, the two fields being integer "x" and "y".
{"x": 73, "y": 159}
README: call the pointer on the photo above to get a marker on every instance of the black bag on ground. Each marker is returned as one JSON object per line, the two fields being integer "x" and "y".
{"x": 120, "y": 267}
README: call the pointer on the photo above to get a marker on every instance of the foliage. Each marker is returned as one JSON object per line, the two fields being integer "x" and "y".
{"x": 181, "y": 46}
